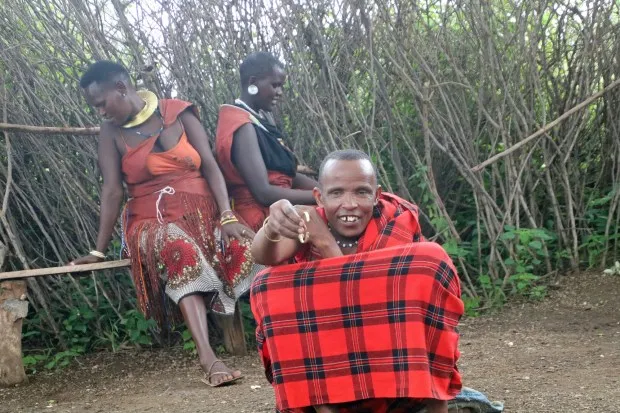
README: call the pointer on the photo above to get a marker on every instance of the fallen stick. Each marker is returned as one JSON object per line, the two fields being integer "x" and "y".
{"x": 38, "y": 272}
{"x": 545, "y": 128}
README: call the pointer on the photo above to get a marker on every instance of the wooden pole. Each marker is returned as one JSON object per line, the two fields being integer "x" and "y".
{"x": 49, "y": 130}
{"x": 64, "y": 269}
{"x": 13, "y": 309}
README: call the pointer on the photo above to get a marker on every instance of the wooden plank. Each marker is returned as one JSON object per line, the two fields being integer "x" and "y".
{"x": 64, "y": 269}
{"x": 50, "y": 130}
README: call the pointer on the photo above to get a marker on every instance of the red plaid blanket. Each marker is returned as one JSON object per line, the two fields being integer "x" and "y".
{"x": 377, "y": 324}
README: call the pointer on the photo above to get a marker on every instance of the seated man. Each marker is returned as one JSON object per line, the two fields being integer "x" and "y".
{"x": 372, "y": 332}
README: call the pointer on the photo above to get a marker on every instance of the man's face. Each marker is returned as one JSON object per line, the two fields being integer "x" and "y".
{"x": 348, "y": 192}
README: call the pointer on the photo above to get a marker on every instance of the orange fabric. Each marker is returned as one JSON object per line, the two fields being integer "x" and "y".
{"x": 245, "y": 205}
{"x": 181, "y": 156}
{"x": 146, "y": 172}
{"x": 171, "y": 249}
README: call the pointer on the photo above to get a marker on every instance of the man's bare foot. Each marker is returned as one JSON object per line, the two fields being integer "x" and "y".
{"x": 326, "y": 408}
{"x": 436, "y": 406}
{"x": 217, "y": 373}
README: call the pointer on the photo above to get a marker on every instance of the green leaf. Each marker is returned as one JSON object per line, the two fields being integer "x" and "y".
{"x": 508, "y": 236}
{"x": 29, "y": 360}
{"x": 142, "y": 325}
{"x": 535, "y": 245}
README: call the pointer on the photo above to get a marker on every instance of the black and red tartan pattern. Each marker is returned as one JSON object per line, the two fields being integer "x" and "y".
{"x": 380, "y": 324}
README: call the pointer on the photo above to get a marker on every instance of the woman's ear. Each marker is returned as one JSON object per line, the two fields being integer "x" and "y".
{"x": 121, "y": 87}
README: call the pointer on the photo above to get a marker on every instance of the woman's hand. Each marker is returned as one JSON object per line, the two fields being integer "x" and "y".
{"x": 87, "y": 259}
{"x": 237, "y": 231}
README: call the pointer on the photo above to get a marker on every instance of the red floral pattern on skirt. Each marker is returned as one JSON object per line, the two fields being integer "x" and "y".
{"x": 177, "y": 255}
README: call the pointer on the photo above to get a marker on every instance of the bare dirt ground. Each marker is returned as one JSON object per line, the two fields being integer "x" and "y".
{"x": 559, "y": 355}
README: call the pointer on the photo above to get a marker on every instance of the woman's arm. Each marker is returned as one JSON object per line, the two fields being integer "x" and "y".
{"x": 252, "y": 169}
{"x": 197, "y": 137}
{"x": 302, "y": 181}
{"x": 111, "y": 192}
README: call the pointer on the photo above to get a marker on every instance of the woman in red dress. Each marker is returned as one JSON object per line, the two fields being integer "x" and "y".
{"x": 184, "y": 241}
{"x": 258, "y": 167}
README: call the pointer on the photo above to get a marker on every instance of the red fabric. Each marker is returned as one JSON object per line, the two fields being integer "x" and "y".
{"x": 253, "y": 213}
{"x": 396, "y": 224}
{"x": 380, "y": 324}
{"x": 191, "y": 208}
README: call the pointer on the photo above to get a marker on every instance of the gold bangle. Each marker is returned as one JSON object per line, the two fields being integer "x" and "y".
{"x": 229, "y": 221}
{"x": 265, "y": 222}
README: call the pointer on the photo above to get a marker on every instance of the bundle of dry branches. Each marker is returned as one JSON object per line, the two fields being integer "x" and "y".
{"x": 430, "y": 89}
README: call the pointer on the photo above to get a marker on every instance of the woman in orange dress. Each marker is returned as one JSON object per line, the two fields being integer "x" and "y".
{"x": 259, "y": 169}
{"x": 180, "y": 250}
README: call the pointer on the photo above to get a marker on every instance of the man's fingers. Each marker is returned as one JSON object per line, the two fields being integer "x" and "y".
{"x": 282, "y": 226}
{"x": 281, "y": 220}
{"x": 291, "y": 214}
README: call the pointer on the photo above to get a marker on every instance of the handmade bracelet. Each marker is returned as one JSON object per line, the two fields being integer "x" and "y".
{"x": 229, "y": 221}
{"x": 227, "y": 216}
{"x": 97, "y": 254}
{"x": 265, "y": 222}
{"x": 226, "y": 212}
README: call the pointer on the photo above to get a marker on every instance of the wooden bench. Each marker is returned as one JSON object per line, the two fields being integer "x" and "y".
{"x": 14, "y": 308}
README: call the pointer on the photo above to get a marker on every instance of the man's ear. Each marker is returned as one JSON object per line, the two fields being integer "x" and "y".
{"x": 378, "y": 193}
{"x": 318, "y": 196}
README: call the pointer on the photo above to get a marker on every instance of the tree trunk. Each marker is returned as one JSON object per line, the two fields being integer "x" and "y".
{"x": 13, "y": 308}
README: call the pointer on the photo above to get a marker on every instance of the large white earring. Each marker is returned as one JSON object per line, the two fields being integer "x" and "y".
{"x": 252, "y": 89}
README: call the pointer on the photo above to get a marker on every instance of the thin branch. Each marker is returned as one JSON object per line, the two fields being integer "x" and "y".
{"x": 545, "y": 128}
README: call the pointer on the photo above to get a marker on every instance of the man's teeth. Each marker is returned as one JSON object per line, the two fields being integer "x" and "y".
{"x": 348, "y": 218}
